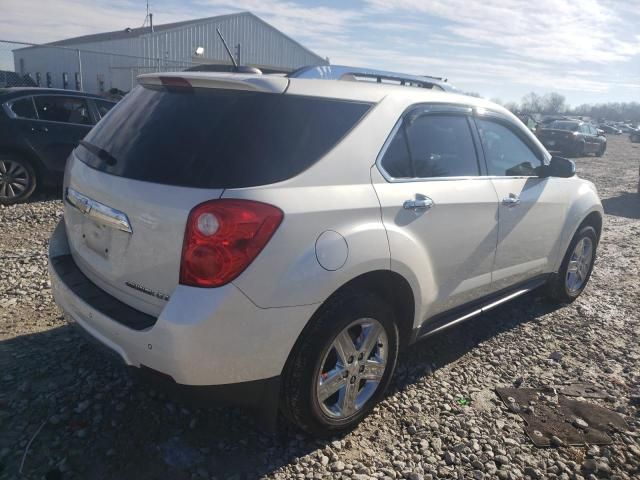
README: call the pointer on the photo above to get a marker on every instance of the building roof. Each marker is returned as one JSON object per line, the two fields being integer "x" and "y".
{"x": 138, "y": 32}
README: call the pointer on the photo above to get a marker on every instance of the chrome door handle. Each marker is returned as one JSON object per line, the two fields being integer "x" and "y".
{"x": 421, "y": 202}
{"x": 512, "y": 200}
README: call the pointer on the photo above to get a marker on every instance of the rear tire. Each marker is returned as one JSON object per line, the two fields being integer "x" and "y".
{"x": 17, "y": 179}
{"x": 570, "y": 281}
{"x": 315, "y": 361}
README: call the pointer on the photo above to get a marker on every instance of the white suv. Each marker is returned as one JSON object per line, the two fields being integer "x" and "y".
{"x": 279, "y": 240}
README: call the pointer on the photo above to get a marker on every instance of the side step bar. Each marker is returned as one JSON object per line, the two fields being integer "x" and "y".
{"x": 460, "y": 314}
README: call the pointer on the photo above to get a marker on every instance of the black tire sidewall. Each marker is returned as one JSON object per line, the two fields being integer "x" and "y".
{"x": 299, "y": 397}
{"x": 32, "y": 180}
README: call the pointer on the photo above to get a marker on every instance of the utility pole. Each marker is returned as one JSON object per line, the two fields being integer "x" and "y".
{"x": 80, "y": 70}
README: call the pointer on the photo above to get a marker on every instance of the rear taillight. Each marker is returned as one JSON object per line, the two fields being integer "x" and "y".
{"x": 223, "y": 237}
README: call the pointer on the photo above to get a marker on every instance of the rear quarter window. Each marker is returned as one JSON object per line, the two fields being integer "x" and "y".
{"x": 212, "y": 138}
{"x": 23, "y": 108}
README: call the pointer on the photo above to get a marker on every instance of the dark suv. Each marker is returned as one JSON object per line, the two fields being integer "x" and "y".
{"x": 39, "y": 127}
{"x": 573, "y": 138}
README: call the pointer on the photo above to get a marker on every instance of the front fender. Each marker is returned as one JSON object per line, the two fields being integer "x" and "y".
{"x": 584, "y": 202}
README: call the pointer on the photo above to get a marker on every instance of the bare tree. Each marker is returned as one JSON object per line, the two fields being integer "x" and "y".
{"x": 513, "y": 107}
{"x": 553, "y": 103}
{"x": 531, "y": 103}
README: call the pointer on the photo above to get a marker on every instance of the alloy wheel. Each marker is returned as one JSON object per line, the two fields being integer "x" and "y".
{"x": 14, "y": 179}
{"x": 579, "y": 265}
{"x": 352, "y": 368}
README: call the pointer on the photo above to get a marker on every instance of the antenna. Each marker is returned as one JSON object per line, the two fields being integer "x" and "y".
{"x": 226, "y": 47}
{"x": 148, "y": 16}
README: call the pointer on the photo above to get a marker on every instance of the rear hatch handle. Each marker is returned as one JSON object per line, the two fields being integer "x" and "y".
{"x": 98, "y": 211}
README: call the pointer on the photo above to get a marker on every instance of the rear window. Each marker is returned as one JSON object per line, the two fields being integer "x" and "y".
{"x": 211, "y": 138}
{"x": 570, "y": 126}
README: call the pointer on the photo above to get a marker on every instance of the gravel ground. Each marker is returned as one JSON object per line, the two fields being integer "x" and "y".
{"x": 88, "y": 418}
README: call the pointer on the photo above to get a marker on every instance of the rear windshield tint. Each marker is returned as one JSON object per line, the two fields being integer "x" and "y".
{"x": 211, "y": 138}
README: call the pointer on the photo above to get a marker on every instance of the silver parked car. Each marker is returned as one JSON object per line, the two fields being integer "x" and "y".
{"x": 279, "y": 240}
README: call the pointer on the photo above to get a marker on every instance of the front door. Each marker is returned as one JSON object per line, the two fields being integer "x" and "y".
{"x": 439, "y": 212}
{"x": 532, "y": 209}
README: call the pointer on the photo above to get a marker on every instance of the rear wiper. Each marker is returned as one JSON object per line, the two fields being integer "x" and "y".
{"x": 101, "y": 153}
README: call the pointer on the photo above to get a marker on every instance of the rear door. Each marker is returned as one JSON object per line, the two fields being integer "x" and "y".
{"x": 532, "y": 209}
{"x": 438, "y": 209}
{"x": 62, "y": 122}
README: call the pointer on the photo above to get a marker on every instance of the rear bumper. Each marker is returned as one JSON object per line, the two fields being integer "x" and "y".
{"x": 203, "y": 337}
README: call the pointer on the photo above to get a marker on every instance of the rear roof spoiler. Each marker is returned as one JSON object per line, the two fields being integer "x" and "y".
{"x": 226, "y": 81}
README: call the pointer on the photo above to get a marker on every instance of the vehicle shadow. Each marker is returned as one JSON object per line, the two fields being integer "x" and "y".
{"x": 44, "y": 194}
{"x": 624, "y": 205}
{"x": 100, "y": 422}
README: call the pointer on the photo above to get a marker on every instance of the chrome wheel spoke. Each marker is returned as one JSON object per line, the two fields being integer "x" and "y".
{"x": 331, "y": 385}
{"x": 373, "y": 371}
{"x": 3, "y": 189}
{"x": 372, "y": 333}
{"x": 573, "y": 266}
{"x": 344, "y": 347}
{"x": 3, "y": 167}
{"x": 348, "y": 398}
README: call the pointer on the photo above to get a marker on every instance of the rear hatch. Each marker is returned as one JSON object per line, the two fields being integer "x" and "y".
{"x": 171, "y": 144}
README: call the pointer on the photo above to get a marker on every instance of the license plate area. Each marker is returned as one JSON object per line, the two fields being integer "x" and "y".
{"x": 97, "y": 237}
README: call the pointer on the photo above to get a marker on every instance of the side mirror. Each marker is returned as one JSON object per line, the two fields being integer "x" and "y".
{"x": 560, "y": 167}
{"x": 601, "y": 133}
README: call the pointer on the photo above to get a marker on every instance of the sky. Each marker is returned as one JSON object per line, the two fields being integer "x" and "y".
{"x": 587, "y": 50}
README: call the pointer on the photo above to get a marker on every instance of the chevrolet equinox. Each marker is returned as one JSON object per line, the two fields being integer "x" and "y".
{"x": 279, "y": 240}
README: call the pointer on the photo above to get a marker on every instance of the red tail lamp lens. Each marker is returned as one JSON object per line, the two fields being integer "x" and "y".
{"x": 223, "y": 237}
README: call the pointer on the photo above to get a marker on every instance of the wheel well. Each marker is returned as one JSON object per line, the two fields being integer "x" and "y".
{"x": 394, "y": 289}
{"x": 37, "y": 165}
{"x": 594, "y": 219}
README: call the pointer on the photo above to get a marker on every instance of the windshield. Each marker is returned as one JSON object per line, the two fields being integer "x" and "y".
{"x": 212, "y": 138}
{"x": 571, "y": 126}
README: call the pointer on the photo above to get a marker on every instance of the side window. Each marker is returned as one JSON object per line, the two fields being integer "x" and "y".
{"x": 396, "y": 160}
{"x": 23, "y": 108}
{"x": 505, "y": 152}
{"x": 442, "y": 146}
{"x": 63, "y": 109}
{"x": 103, "y": 107}
{"x": 584, "y": 129}
{"x": 432, "y": 146}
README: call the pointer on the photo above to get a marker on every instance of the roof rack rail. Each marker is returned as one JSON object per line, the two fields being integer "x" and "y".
{"x": 342, "y": 72}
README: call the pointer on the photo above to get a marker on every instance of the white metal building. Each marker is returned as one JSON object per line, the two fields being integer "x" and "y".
{"x": 100, "y": 62}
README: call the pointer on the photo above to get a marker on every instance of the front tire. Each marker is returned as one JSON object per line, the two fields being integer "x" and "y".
{"x": 17, "y": 179}
{"x": 567, "y": 284}
{"x": 601, "y": 150}
{"x": 342, "y": 365}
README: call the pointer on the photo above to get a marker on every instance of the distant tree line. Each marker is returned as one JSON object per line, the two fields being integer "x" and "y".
{"x": 555, "y": 103}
